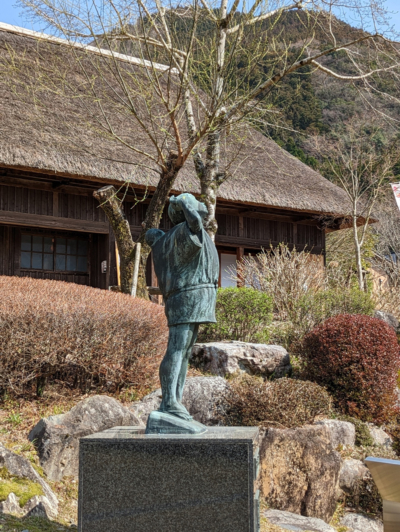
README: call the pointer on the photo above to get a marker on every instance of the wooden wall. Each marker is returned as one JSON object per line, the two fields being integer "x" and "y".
{"x": 253, "y": 232}
{"x": 25, "y": 200}
{"x": 43, "y": 210}
{"x": 49, "y": 205}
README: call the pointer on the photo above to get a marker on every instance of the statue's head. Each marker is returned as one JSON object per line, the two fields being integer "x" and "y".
{"x": 175, "y": 213}
{"x": 152, "y": 235}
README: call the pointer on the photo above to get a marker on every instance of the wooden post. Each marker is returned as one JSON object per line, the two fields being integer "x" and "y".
{"x": 117, "y": 261}
{"x": 241, "y": 226}
{"x": 239, "y": 258}
{"x": 136, "y": 269}
{"x": 295, "y": 234}
{"x": 55, "y": 203}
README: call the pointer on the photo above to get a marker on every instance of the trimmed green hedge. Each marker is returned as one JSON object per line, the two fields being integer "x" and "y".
{"x": 242, "y": 314}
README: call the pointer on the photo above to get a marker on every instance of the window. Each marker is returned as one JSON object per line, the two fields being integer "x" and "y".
{"x": 54, "y": 254}
{"x": 228, "y": 268}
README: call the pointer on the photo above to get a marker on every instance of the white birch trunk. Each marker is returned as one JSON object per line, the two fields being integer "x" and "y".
{"x": 357, "y": 246}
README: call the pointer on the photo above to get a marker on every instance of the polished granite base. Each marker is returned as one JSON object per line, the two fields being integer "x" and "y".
{"x": 135, "y": 482}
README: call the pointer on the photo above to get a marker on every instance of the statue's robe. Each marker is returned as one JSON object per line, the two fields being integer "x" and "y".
{"x": 187, "y": 268}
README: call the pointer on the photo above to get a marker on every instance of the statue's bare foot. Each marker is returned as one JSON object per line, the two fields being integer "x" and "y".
{"x": 176, "y": 409}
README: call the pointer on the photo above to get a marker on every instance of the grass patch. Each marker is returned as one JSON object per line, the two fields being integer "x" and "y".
{"x": 23, "y": 488}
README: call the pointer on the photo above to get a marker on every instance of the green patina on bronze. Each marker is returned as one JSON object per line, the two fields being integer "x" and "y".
{"x": 187, "y": 267}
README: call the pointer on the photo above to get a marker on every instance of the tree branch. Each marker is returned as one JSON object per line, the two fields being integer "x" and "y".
{"x": 265, "y": 16}
{"x": 352, "y": 78}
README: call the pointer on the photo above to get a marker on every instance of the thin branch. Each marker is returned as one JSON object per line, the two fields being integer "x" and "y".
{"x": 265, "y": 16}
{"x": 352, "y": 78}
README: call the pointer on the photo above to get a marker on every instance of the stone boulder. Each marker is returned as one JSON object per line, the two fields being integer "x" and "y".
{"x": 291, "y": 521}
{"x": 300, "y": 470}
{"x": 201, "y": 397}
{"x": 342, "y": 432}
{"x": 388, "y": 318}
{"x": 143, "y": 408}
{"x": 351, "y": 473}
{"x": 361, "y": 523}
{"x": 228, "y": 358}
{"x": 57, "y": 437}
{"x": 380, "y": 437}
{"x": 44, "y": 505}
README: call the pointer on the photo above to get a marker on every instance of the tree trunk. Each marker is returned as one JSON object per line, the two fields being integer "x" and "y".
{"x": 154, "y": 213}
{"x": 357, "y": 246}
{"x": 111, "y": 205}
{"x": 209, "y": 182}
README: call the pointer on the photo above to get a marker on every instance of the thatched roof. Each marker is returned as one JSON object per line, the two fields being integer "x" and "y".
{"x": 36, "y": 137}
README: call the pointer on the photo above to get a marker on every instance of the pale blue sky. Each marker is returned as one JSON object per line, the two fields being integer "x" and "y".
{"x": 11, "y": 14}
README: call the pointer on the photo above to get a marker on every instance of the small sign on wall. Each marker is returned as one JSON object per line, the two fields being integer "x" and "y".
{"x": 104, "y": 266}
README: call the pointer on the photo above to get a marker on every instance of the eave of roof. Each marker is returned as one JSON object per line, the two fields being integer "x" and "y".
{"x": 93, "y": 49}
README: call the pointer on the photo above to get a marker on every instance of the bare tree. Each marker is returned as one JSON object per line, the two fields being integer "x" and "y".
{"x": 364, "y": 172}
{"x": 133, "y": 110}
{"x": 206, "y": 99}
{"x": 387, "y": 231}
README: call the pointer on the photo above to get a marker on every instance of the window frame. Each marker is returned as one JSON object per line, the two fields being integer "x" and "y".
{"x": 85, "y": 237}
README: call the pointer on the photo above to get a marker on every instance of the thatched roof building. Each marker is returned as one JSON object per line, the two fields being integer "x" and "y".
{"x": 48, "y": 143}
{"x": 268, "y": 175}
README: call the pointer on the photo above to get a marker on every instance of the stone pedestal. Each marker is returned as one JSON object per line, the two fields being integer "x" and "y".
{"x": 132, "y": 482}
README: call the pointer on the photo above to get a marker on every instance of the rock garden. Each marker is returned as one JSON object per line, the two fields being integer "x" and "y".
{"x": 316, "y": 372}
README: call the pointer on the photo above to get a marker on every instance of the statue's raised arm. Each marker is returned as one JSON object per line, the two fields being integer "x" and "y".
{"x": 191, "y": 208}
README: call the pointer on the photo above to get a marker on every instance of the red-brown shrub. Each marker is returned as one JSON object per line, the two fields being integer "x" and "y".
{"x": 357, "y": 359}
{"x": 51, "y": 331}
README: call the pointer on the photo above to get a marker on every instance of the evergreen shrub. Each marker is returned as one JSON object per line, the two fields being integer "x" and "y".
{"x": 357, "y": 359}
{"x": 81, "y": 337}
{"x": 282, "y": 403}
{"x": 331, "y": 302}
{"x": 242, "y": 314}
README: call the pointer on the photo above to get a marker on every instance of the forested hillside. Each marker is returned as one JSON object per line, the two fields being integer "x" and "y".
{"x": 315, "y": 108}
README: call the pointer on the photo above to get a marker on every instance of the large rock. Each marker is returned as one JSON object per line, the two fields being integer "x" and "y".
{"x": 143, "y": 408}
{"x": 228, "y": 358}
{"x": 388, "y": 318}
{"x": 351, "y": 473}
{"x": 11, "y": 505}
{"x": 361, "y": 523}
{"x": 342, "y": 432}
{"x": 201, "y": 396}
{"x": 300, "y": 470}
{"x": 57, "y": 437}
{"x": 291, "y": 521}
{"x": 380, "y": 437}
{"x": 45, "y": 505}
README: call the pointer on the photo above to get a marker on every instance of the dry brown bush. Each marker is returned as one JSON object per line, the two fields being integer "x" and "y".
{"x": 285, "y": 274}
{"x": 51, "y": 331}
{"x": 387, "y": 297}
{"x": 283, "y": 403}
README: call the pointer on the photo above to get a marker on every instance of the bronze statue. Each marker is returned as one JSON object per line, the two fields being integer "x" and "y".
{"x": 187, "y": 267}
